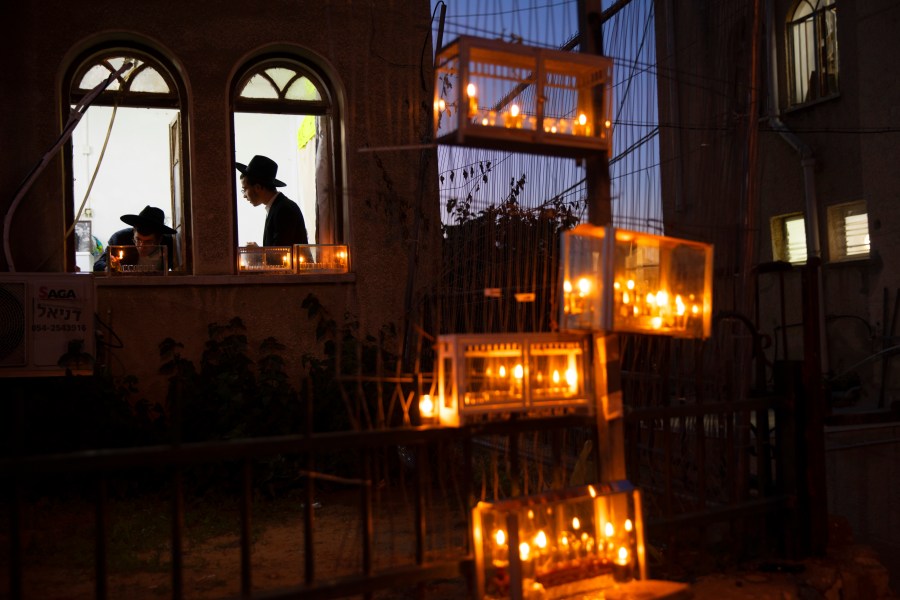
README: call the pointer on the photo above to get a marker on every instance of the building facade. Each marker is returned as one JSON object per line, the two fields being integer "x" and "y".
{"x": 356, "y": 82}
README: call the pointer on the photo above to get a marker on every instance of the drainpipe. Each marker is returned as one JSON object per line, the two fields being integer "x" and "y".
{"x": 808, "y": 164}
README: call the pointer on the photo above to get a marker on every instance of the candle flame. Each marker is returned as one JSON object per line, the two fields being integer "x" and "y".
{"x": 628, "y": 525}
{"x": 514, "y": 110}
{"x": 656, "y": 322}
{"x": 500, "y": 537}
{"x": 540, "y": 540}
{"x": 625, "y": 298}
{"x": 623, "y": 555}
{"x": 609, "y": 530}
{"x": 582, "y": 119}
{"x": 518, "y": 372}
{"x": 426, "y": 406}
{"x": 584, "y": 286}
{"x": 567, "y": 286}
{"x": 592, "y": 491}
{"x": 470, "y": 90}
{"x": 502, "y": 371}
{"x": 630, "y": 284}
{"x": 576, "y": 524}
{"x": 662, "y": 298}
{"x": 572, "y": 378}
{"x": 556, "y": 377}
{"x": 524, "y": 551}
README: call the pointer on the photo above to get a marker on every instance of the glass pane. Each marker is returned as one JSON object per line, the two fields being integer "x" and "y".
{"x": 259, "y": 87}
{"x": 149, "y": 80}
{"x": 303, "y": 89}
{"x": 94, "y": 76}
{"x": 281, "y": 76}
{"x": 804, "y": 9}
{"x": 856, "y": 233}
{"x": 795, "y": 232}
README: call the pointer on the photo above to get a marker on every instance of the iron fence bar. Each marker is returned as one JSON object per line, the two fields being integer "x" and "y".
{"x": 246, "y": 514}
{"x": 100, "y": 548}
{"x": 634, "y": 415}
{"x": 15, "y": 542}
{"x": 309, "y": 564}
{"x": 177, "y": 534}
{"x": 718, "y": 514}
{"x": 365, "y": 491}
{"x": 235, "y": 450}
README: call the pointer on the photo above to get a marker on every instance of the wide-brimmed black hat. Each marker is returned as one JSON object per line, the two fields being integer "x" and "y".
{"x": 261, "y": 169}
{"x": 151, "y": 219}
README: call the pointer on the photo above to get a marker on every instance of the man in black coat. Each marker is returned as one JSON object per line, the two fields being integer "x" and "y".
{"x": 148, "y": 229}
{"x": 284, "y": 220}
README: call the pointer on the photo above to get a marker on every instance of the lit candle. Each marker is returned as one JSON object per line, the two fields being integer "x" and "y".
{"x": 500, "y": 551}
{"x": 513, "y": 119}
{"x": 622, "y": 566}
{"x": 473, "y": 100}
{"x": 426, "y": 406}
{"x": 121, "y": 254}
{"x": 518, "y": 372}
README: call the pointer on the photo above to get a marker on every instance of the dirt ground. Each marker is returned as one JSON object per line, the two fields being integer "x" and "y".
{"x": 59, "y": 559}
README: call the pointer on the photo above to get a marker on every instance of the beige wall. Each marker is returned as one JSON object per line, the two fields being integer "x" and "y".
{"x": 372, "y": 50}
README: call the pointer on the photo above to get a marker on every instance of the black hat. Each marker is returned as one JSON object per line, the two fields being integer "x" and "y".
{"x": 261, "y": 169}
{"x": 151, "y": 219}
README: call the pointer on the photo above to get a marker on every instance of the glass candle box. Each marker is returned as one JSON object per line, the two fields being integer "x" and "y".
{"x": 138, "y": 260}
{"x": 265, "y": 259}
{"x": 625, "y": 281}
{"x": 576, "y": 542}
{"x": 321, "y": 258}
{"x": 494, "y": 94}
{"x": 480, "y": 374}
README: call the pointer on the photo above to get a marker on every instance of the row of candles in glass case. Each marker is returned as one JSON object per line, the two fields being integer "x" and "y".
{"x": 560, "y": 543}
{"x": 516, "y": 372}
{"x": 300, "y": 258}
{"x": 137, "y": 260}
{"x": 490, "y": 93}
{"x": 514, "y": 117}
{"x": 617, "y": 280}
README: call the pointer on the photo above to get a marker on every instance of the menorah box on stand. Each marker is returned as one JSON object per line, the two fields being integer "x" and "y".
{"x": 615, "y": 280}
{"x": 496, "y": 374}
{"x": 493, "y": 94}
{"x": 265, "y": 260}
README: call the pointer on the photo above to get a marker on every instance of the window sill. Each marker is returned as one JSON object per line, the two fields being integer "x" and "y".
{"x": 218, "y": 280}
{"x": 862, "y": 261}
{"x": 799, "y": 107}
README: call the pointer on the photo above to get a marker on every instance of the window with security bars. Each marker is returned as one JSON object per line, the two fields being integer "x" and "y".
{"x": 813, "y": 48}
{"x": 789, "y": 238}
{"x": 848, "y": 231}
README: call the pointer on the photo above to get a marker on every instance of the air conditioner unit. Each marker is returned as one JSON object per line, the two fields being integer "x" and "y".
{"x": 46, "y": 324}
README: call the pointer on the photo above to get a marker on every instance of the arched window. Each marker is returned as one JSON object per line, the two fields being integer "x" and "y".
{"x": 285, "y": 109}
{"x": 127, "y": 151}
{"x": 813, "y": 47}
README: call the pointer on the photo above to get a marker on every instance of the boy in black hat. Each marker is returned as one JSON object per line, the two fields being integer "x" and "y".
{"x": 148, "y": 230}
{"x": 284, "y": 220}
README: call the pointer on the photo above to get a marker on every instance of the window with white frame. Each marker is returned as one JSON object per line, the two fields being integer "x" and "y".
{"x": 789, "y": 238}
{"x": 813, "y": 50}
{"x": 285, "y": 108}
{"x": 126, "y": 152}
{"x": 848, "y": 231}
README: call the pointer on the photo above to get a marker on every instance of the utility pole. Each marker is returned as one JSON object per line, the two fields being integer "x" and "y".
{"x": 610, "y": 451}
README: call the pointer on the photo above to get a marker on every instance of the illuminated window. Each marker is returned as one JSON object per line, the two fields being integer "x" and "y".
{"x": 848, "y": 231}
{"x": 126, "y": 152}
{"x": 286, "y": 109}
{"x": 789, "y": 238}
{"x": 813, "y": 47}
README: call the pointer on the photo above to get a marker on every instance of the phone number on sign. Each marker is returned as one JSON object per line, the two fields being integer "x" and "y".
{"x": 59, "y": 327}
